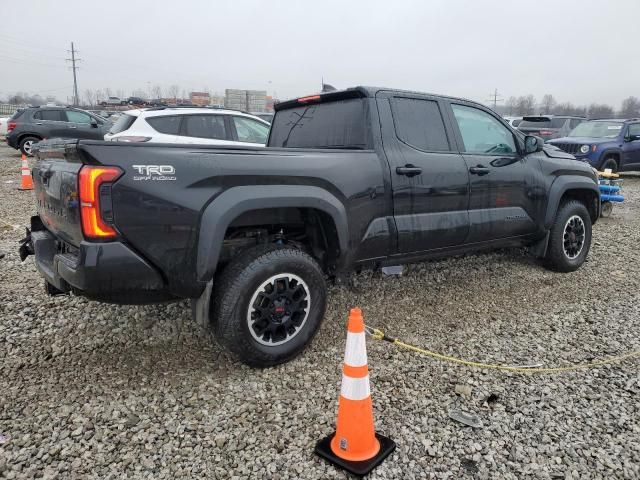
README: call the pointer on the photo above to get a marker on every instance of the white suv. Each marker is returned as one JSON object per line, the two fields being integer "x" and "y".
{"x": 204, "y": 126}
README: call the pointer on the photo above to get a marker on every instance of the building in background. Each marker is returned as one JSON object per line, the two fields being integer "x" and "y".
{"x": 270, "y": 102}
{"x": 201, "y": 99}
{"x": 246, "y": 100}
{"x": 217, "y": 100}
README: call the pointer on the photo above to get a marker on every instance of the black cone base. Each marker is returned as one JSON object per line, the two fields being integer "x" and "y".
{"x": 323, "y": 448}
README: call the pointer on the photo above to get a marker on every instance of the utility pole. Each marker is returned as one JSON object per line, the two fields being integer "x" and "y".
{"x": 73, "y": 60}
{"x": 495, "y": 98}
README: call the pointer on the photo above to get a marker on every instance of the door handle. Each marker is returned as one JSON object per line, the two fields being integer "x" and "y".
{"x": 409, "y": 170}
{"x": 38, "y": 123}
{"x": 479, "y": 170}
{"x": 72, "y": 126}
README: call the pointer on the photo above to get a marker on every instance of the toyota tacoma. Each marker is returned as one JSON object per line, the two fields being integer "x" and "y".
{"x": 363, "y": 177}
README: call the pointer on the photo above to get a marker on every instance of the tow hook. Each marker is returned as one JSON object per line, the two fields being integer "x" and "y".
{"x": 26, "y": 246}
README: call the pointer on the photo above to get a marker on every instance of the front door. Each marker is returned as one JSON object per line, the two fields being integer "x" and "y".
{"x": 505, "y": 185}
{"x": 429, "y": 178}
{"x": 79, "y": 123}
{"x": 631, "y": 148}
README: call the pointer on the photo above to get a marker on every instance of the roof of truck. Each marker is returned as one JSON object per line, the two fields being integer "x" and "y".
{"x": 358, "y": 92}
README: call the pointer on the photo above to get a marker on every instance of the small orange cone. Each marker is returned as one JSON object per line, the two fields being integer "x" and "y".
{"x": 26, "y": 182}
{"x": 355, "y": 446}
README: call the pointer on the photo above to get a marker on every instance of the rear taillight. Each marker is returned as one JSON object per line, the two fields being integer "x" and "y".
{"x": 11, "y": 126}
{"x": 92, "y": 196}
{"x": 546, "y": 132}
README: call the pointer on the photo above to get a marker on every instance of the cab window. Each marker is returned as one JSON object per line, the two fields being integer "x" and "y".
{"x": 482, "y": 133}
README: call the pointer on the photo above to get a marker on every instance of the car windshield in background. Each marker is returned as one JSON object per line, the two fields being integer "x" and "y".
{"x": 122, "y": 124}
{"x": 542, "y": 122}
{"x": 597, "y": 130}
{"x": 339, "y": 124}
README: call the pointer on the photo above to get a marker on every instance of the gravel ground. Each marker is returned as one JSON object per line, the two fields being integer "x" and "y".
{"x": 99, "y": 391}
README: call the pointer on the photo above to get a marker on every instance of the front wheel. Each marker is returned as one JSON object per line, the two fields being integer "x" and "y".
{"x": 609, "y": 163}
{"x": 569, "y": 238}
{"x": 268, "y": 304}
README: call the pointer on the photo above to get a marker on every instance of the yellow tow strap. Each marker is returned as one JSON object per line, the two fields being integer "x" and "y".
{"x": 380, "y": 335}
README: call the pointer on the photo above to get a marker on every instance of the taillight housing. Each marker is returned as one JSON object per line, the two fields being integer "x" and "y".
{"x": 11, "y": 126}
{"x": 90, "y": 180}
{"x": 309, "y": 99}
{"x": 546, "y": 132}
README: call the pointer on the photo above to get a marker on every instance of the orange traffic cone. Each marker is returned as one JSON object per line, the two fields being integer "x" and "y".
{"x": 26, "y": 182}
{"x": 355, "y": 446}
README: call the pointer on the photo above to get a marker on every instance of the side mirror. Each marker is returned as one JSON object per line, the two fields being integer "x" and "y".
{"x": 533, "y": 144}
{"x": 94, "y": 123}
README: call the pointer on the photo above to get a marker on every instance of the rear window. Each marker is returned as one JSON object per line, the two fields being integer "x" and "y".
{"x": 542, "y": 122}
{"x": 16, "y": 115}
{"x": 169, "y": 124}
{"x": 122, "y": 123}
{"x": 339, "y": 124}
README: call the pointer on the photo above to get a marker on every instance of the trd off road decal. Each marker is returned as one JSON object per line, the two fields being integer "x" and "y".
{"x": 156, "y": 173}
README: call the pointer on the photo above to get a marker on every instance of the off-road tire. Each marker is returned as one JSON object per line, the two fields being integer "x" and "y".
{"x": 557, "y": 259}
{"x": 609, "y": 162}
{"x": 235, "y": 287}
{"x": 24, "y": 145}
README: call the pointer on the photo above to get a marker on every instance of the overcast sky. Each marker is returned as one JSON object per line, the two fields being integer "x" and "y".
{"x": 581, "y": 51}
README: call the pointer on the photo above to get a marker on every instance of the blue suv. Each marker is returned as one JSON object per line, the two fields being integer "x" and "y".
{"x": 613, "y": 144}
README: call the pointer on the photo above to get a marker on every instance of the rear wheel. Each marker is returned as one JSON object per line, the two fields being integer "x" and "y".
{"x": 26, "y": 145}
{"x": 609, "y": 162}
{"x": 268, "y": 304}
{"x": 570, "y": 237}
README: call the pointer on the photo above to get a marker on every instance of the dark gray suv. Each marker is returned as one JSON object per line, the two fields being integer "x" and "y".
{"x": 33, "y": 124}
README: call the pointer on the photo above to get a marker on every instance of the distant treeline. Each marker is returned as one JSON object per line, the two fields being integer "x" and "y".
{"x": 527, "y": 105}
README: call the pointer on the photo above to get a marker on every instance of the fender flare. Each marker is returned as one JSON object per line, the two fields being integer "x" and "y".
{"x": 235, "y": 201}
{"x": 607, "y": 152}
{"x": 559, "y": 187}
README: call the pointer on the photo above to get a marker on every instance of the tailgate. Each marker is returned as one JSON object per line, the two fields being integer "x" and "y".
{"x": 55, "y": 180}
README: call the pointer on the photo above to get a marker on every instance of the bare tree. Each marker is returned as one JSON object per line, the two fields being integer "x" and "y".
{"x": 157, "y": 91}
{"x": 90, "y": 97}
{"x": 547, "y": 104}
{"x": 525, "y": 105}
{"x": 120, "y": 94}
{"x": 630, "y": 107}
{"x": 600, "y": 110}
{"x": 99, "y": 96}
{"x": 173, "y": 92}
{"x": 107, "y": 92}
{"x": 510, "y": 104}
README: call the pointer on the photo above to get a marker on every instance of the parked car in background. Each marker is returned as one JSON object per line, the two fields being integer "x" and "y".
{"x": 549, "y": 126}
{"x": 204, "y": 126}
{"x": 267, "y": 117}
{"x": 3, "y": 125}
{"x": 111, "y": 101}
{"x": 137, "y": 101}
{"x": 513, "y": 121}
{"x": 33, "y": 124}
{"x": 613, "y": 144}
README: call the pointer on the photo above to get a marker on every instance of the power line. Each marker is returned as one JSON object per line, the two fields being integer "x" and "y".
{"x": 495, "y": 98}
{"x": 73, "y": 61}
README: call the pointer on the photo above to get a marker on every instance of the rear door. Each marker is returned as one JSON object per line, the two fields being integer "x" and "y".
{"x": 51, "y": 122}
{"x": 430, "y": 181}
{"x": 205, "y": 129}
{"x": 505, "y": 185}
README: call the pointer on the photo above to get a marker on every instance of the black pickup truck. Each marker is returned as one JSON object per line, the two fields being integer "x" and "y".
{"x": 363, "y": 177}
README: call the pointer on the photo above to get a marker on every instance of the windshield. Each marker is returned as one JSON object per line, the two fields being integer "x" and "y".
{"x": 597, "y": 130}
